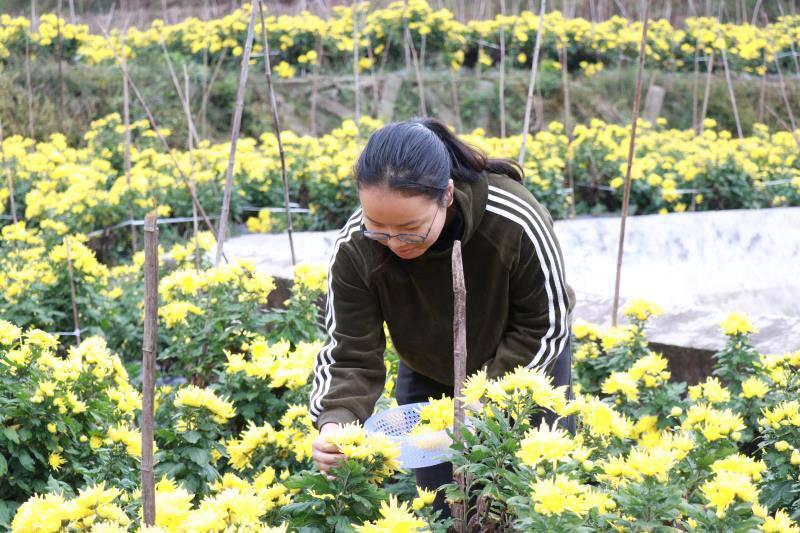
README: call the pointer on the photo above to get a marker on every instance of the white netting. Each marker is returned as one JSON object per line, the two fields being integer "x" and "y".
{"x": 416, "y": 451}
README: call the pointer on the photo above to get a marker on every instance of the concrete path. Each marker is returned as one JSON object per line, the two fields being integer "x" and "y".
{"x": 697, "y": 266}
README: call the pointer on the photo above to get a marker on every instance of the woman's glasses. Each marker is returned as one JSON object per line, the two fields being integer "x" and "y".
{"x": 409, "y": 238}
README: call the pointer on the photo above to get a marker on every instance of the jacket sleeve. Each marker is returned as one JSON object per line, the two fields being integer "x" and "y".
{"x": 349, "y": 373}
{"x": 538, "y": 325}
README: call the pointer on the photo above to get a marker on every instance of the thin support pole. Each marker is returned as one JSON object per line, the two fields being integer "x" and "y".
{"x": 149, "y": 366}
{"x": 235, "y": 127}
{"x": 72, "y": 292}
{"x": 631, "y": 145}
{"x": 459, "y": 510}
{"x": 276, "y": 124}
{"x": 532, "y": 81}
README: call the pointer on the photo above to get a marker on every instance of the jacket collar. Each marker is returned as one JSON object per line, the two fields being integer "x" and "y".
{"x": 470, "y": 199}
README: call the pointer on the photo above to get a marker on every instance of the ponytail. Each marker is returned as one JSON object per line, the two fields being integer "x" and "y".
{"x": 468, "y": 161}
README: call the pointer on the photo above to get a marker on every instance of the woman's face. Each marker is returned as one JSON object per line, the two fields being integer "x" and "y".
{"x": 388, "y": 211}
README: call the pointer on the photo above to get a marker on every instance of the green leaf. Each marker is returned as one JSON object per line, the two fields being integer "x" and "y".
{"x": 11, "y": 434}
{"x": 191, "y": 437}
{"x": 26, "y": 461}
{"x": 198, "y": 455}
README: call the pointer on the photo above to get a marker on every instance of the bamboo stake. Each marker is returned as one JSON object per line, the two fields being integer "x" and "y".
{"x": 9, "y": 181}
{"x": 356, "y": 89}
{"x": 631, "y": 145}
{"x": 761, "y": 94}
{"x": 422, "y": 45}
{"x": 531, "y": 82}
{"x": 731, "y": 93}
{"x": 755, "y": 13}
{"x": 60, "y": 73}
{"x": 459, "y": 509}
{"x": 207, "y": 92}
{"x": 34, "y": 18}
{"x": 28, "y": 86}
{"x": 149, "y": 366}
{"x": 126, "y": 120}
{"x": 786, "y": 102}
{"x": 373, "y": 110}
{"x": 454, "y": 96}
{"x": 72, "y": 291}
{"x": 277, "y": 126}
{"x": 154, "y": 126}
{"x": 235, "y": 126}
{"x": 793, "y": 124}
{"x": 502, "y": 87}
{"x": 189, "y": 127}
{"x": 700, "y": 123}
{"x": 385, "y": 54}
{"x": 314, "y": 77}
{"x": 695, "y": 81}
{"x": 420, "y": 86}
{"x": 568, "y": 128}
{"x": 728, "y": 81}
{"x": 177, "y": 85}
{"x": 791, "y": 42}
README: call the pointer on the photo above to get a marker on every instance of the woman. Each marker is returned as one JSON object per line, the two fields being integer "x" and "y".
{"x": 421, "y": 188}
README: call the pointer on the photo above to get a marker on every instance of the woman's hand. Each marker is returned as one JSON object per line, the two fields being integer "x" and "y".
{"x": 324, "y": 454}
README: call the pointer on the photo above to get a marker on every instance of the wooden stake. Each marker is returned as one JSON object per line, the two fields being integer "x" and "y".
{"x": 189, "y": 128}
{"x": 28, "y": 86}
{"x": 126, "y": 120}
{"x": 791, "y": 42}
{"x": 376, "y": 98}
{"x": 454, "y": 96}
{"x": 731, "y": 93}
{"x": 60, "y": 73}
{"x": 502, "y": 88}
{"x": 149, "y": 366}
{"x": 568, "y": 129}
{"x": 700, "y": 122}
{"x": 72, "y": 291}
{"x": 356, "y": 89}
{"x": 531, "y": 82}
{"x": 459, "y": 510}
{"x": 312, "y": 116}
{"x": 207, "y": 92}
{"x": 786, "y": 102}
{"x": 793, "y": 124}
{"x": 177, "y": 86}
{"x": 235, "y": 126}
{"x": 277, "y": 126}
{"x": 761, "y": 94}
{"x": 631, "y": 145}
{"x": 728, "y": 81}
{"x": 410, "y": 43}
{"x": 695, "y": 80}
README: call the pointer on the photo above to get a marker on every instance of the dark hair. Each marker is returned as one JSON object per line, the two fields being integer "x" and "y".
{"x": 417, "y": 157}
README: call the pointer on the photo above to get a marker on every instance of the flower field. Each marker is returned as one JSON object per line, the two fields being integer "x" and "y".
{"x": 63, "y": 189}
{"x": 306, "y": 39}
{"x": 233, "y": 432}
{"x": 236, "y": 347}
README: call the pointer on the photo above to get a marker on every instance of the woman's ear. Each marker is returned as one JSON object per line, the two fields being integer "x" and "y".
{"x": 450, "y": 192}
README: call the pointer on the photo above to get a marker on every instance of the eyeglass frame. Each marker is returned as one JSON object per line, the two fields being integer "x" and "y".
{"x": 388, "y": 236}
